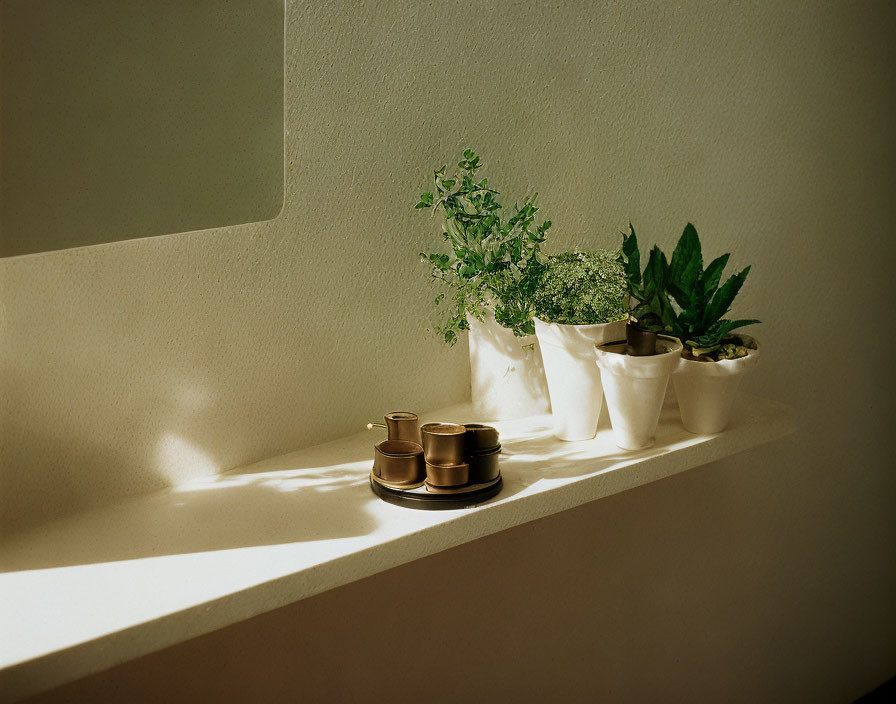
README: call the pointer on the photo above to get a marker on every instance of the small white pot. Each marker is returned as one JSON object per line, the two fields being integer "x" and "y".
{"x": 573, "y": 377}
{"x": 506, "y": 372}
{"x": 635, "y": 388}
{"x": 706, "y": 390}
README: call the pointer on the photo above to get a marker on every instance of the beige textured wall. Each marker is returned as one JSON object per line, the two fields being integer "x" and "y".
{"x": 134, "y": 118}
{"x": 768, "y": 577}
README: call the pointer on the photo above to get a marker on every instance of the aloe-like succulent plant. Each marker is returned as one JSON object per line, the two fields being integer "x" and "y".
{"x": 581, "y": 288}
{"x": 701, "y": 303}
{"x": 679, "y": 297}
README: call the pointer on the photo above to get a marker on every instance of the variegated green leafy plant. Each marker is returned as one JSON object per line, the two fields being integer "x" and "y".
{"x": 492, "y": 260}
{"x": 581, "y": 288}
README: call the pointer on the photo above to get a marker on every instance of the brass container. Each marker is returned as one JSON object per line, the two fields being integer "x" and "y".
{"x": 484, "y": 466}
{"x": 447, "y": 475}
{"x": 401, "y": 425}
{"x": 399, "y": 462}
{"x": 479, "y": 438}
{"x": 641, "y": 343}
{"x": 443, "y": 443}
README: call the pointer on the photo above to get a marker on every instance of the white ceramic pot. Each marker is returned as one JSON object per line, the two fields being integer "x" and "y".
{"x": 706, "y": 390}
{"x": 506, "y": 372}
{"x": 635, "y": 388}
{"x": 573, "y": 377}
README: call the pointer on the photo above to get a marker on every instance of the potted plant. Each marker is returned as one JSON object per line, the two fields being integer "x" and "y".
{"x": 579, "y": 303}
{"x": 714, "y": 359}
{"x": 635, "y": 372}
{"x": 491, "y": 269}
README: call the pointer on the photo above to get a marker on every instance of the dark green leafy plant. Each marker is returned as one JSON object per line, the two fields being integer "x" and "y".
{"x": 701, "y": 304}
{"x": 680, "y": 297}
{"x": 649, "y": 305}
{"x": 490, "y": 260}
{"x": 581, "y": 288}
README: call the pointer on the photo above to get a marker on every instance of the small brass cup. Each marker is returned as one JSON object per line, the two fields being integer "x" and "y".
{"x": 399, "y": 462}
{"x": 401, "y": 425}
{"x": 441, "y": 475}
{"x": 443, "y": 443}
{"x": 480, "y": 438}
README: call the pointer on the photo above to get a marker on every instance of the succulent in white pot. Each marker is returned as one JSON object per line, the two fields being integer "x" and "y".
{"x": 706, "y": 390}
{"x": 714, "y": 359}
{"x": 635, "y": 371}
{"x": 579, "y": 303}
{"x": 491, "y": 268}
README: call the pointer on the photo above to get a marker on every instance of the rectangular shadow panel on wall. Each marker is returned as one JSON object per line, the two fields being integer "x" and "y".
{"x": 133, "y": 118}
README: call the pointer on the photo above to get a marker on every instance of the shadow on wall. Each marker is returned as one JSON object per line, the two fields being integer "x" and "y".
{"x": 95, "y": 418}
{"x": 87, "y": 454}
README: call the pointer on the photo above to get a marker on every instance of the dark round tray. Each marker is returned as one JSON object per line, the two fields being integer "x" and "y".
{"x": 462, "y": 498}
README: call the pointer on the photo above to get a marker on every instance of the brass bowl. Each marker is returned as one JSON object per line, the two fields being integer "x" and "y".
{"x": 484, "y": 466}
{"x": 399, "y": 462}
{"x": 402, "y": 425}
{"x": 447, "y": 475}
{"x": 443, "y": 443}
{"x": 480, "y": 438}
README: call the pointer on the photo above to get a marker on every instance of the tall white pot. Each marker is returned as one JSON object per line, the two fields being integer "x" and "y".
{"x": 506, "y": 372}
{"x": 573, "y": 377}
{"x": 706, "y": 390}
{"x": 635, "y": 388}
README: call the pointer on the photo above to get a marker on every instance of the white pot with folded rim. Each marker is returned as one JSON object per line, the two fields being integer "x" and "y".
{"x": 635, "y": 388}
{"x": 706, "y": 390}
{"x": 573, "y": 378}
{"x": 506, "y": 372}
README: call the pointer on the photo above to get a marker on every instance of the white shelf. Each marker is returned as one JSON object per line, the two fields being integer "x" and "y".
{"x": 83, "y": 594}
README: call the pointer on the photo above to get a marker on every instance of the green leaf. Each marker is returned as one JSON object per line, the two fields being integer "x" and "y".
{"x": 735, "y": 324}
{"x": 655, "y": 272}
{"x": 724, "y": 297}
{"x": 713, "y": 274}
{"x": 716, "y": 333}
{"x": 710, "y": 338}
{"x": 686, "y": 267}
{"x": 689, "y": 318}
{"x": 630, "y": 258}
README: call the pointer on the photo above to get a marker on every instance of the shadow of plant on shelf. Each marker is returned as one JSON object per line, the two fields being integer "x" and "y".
{"x": 536, "y": 456}
{"x": 272, "y": 503}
